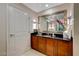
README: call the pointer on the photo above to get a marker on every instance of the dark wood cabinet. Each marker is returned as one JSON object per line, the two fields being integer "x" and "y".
{"x": 64, "y": 48}
{"x": 52, "y": 46}
{"x": 34, "y": 42}
{"x": 49, "y": 48}
{"x": 55, "y": 47}
{"x": 42, "y": 44}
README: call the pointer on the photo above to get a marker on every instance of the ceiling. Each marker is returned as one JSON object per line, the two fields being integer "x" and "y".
{"x": 38, "y": 7}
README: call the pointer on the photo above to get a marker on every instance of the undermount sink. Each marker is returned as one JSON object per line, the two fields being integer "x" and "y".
{"x": 51, "y": 35}
{"x": 59, "y": 35}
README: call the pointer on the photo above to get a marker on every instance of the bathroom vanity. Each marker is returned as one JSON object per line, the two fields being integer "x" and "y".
{"x": 52, "y": 46}
{"x": 53, "y": 41}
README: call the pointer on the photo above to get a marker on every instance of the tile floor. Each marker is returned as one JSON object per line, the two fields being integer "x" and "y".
{"x": 32, "y": 52}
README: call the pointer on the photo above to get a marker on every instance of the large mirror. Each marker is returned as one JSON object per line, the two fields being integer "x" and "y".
{"x": 56, "y": 22}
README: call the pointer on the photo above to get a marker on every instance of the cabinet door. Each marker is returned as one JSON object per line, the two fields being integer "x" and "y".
{"x": 55, "y": 46}
{"x": 64, "y": 48}
{"x": 34, "y": 42}
{"x": 42, "y": 44}
{"x": 51, "y": 47}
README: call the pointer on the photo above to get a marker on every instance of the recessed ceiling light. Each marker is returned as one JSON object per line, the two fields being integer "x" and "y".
{"x": 46, "y": 5}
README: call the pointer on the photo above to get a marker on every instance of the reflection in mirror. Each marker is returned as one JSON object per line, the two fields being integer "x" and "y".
{"x": 55, "y": 22}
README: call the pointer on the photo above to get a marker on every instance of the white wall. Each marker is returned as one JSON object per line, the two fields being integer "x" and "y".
{"x": 76, "y": 30}
{"x": 24, "y": 9}
{"x": 3, "y": 18}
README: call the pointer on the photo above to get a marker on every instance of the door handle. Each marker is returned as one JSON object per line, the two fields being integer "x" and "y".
{"x": 12, "y": 35}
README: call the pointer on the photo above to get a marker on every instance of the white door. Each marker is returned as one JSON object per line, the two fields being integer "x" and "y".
{"x": 19, "y": 35}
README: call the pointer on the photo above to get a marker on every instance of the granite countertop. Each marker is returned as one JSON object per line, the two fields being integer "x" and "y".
{"x": 47, "y": 36}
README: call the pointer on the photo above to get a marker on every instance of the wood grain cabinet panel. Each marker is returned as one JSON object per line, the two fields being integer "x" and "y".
{"x": 34, "y": 42}
{"x": 51, "y": 48}
{"x": 55, "y": 47}
{"x": 64, "y": 48}
{"x": 42, "y": 45}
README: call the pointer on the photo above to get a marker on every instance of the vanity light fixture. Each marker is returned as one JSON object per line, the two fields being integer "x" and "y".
{"x": 46, "y": 5}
